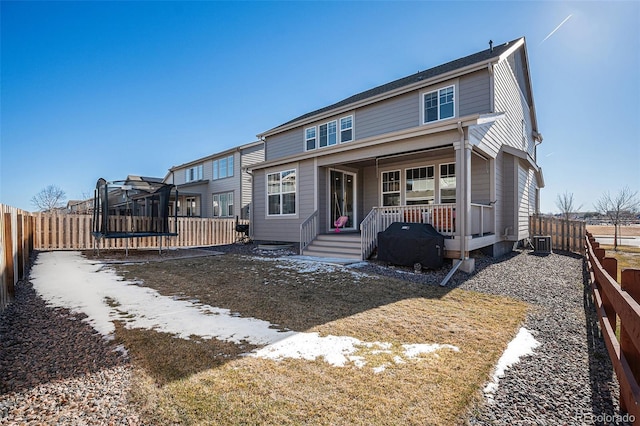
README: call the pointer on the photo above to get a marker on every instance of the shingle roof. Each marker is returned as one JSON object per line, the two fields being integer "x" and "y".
{"x": 481, "y": 56}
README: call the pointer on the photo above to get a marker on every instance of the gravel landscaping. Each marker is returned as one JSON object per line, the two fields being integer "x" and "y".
{"x": 55, "y": 369}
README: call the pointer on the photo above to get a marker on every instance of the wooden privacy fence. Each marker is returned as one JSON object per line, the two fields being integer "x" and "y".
{"x": 615, "y": 302}
{"x": 73, "y": 232}
{"x": 16, "y": 244}
{"x": 21, "y": 232}
{"x": 565, "y": 234}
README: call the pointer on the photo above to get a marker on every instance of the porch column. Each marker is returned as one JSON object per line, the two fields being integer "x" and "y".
{"x": 463, "y": 198}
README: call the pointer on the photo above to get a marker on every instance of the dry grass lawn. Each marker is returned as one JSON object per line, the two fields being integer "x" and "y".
{"x": 625, "y": 231}
{"x": 209, "y": 381}
{"x": 628, "y": 257}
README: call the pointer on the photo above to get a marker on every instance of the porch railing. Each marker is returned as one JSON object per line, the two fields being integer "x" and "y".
{"x": 441, "y": 216}
{"x": 308, "y": 230}
{"x": 481, "y": 219}
{"x": 369, "y": 233}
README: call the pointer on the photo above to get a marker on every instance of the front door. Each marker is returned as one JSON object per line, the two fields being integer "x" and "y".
{"x": 342, "y": 193}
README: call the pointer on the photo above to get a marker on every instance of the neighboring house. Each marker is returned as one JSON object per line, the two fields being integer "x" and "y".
{"x": 454, "y": 146}
{"x": 127, "y": 197}
{"x": 80, "y": 206}
{"x": 217, "y": 185}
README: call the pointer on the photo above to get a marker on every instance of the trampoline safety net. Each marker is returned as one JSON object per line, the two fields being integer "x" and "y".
{"x": 133, "y": 208}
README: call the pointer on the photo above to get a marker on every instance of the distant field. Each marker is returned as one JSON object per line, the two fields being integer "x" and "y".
{"x": 625, "y": 231}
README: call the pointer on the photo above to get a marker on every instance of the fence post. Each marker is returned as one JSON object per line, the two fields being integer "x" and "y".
{"x": 630, "y": 282}
{"x": 8, "y": 254}
{"x": 610, "y": 265}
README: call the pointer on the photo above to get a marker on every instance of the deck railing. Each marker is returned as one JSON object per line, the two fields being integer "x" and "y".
{"x": 308, "y": 230}
{"x": 441, "y": 216}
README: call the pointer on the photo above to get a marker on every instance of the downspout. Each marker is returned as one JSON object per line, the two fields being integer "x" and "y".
{"x": 461, "y": 214}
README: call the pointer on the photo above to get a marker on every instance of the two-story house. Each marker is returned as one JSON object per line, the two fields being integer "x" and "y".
{"x": 454, "y": 146}
{"x": 218, "y": 185}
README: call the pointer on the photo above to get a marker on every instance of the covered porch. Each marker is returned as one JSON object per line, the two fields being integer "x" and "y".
{"x": 451, "y": 187}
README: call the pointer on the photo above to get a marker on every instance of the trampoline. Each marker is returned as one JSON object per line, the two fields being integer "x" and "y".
{"x": 133, "y": 208}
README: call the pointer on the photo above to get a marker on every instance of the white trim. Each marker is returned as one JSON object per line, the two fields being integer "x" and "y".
{"x": 354, "y": 220}
{"x": 437, "y": 90}
{"x": 350, "y": 128}
{"x": 226, "y": 214}
{"x": 455, "y": 175}
{"x": 315, "y": 138}
{"x": 426, "y": 129}
{"x": 296, "y": 193}
{"x": 419, "y": 167}
{"x": 399, "y": 191}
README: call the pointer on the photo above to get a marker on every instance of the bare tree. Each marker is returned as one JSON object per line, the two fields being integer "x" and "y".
{"x": 49, "y": 198}
{"x": 564, "y": 202}
{"x": 618, "y": 208}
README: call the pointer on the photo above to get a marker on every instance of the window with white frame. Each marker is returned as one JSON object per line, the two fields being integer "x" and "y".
{"x": 310, "y": 138}
{"x": 223, "y": 205}
{"x": 281, "y": 193}
{"x": 192, "y": 206}
{"x": 438, "y": 105}
{"x": 391, "y": 188}
{"x": 194, "y": 173}
{"x": 448, "y": 183}
{"x": 420, "y": 185}
{"x": 223, "y": 167}
{"x": 346, "y": 129}
{"x": 328, "y": 134}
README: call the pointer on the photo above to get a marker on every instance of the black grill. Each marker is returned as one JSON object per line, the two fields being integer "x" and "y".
{"x": 411, "y": 244}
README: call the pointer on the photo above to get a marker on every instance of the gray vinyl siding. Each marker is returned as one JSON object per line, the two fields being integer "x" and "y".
{"x": 285, "y": 228}
{"x": 398, "y": 113}
{"x": 525, "y": 209}
{"x": 323, "y": 201}
{"x": 401, "y": 112}
{"x": 480, "y": 180}
{"x": 498, "y": 207}
{"x": 474, "y": 93}
{"x": 509, "y": 179}
{"x": 284, "y": 144}
{"x": 225, "y": 185}
{"x": 370, "y": 191}
{"x": 509, "y": 99}
{"x": 248, "y": 157}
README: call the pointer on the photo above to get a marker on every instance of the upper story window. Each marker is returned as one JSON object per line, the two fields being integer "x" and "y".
{"x": 281, "y": 193}
{"x": 438, "y": 105}
{"x": 328, "y": 134}
{"x": 346, "y": 129}
{"x": 310, "y": 138}
{"x": 194, "y": 173}
{"x": 223, "y": 167}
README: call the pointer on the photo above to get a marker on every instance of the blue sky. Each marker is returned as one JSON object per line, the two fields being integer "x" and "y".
{"x": 107, "y": 89}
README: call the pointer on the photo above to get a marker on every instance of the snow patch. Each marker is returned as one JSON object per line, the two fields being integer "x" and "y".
{"x": 69, "y": 280}
{"x": 522, "y": 345}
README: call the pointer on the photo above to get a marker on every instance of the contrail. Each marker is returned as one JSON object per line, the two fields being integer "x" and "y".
{"x": 557, "y": 28}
